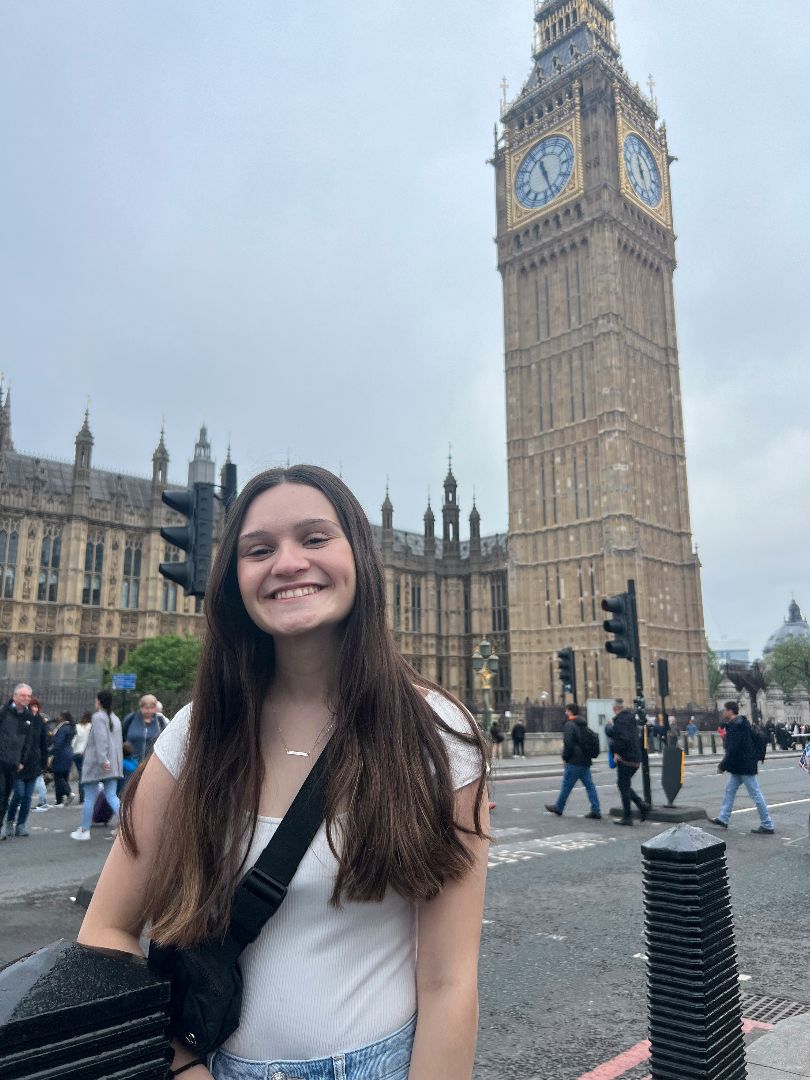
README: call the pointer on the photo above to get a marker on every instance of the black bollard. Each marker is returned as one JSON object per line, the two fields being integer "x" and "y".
{"x": 71, "y": 1011}
{"x": 693, "y": 990}
{"x": 700, "y": 743}
{"x": 714, "y": 744}
{"x": 685, "y": 745}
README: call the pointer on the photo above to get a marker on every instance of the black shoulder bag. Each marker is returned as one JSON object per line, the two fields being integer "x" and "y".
{"x": 206, "y": 998}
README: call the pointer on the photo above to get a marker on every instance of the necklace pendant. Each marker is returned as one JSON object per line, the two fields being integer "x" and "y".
{"x": 297, "y": 753}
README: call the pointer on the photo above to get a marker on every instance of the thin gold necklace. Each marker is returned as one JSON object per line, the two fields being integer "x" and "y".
{"x": 304, "y": 753}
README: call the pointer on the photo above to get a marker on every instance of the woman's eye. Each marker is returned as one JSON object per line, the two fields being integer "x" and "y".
{"x": 314, "y": 541}
{"x": 258, "y": 551}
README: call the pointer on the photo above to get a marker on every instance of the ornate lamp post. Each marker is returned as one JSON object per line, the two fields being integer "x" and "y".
{"x": 485, "y": 664}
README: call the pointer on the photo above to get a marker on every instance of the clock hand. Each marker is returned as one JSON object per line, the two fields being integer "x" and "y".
{"x": 545, "y": 174}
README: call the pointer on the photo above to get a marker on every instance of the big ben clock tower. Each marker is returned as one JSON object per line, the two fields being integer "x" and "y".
{"x": 596, "y": 458}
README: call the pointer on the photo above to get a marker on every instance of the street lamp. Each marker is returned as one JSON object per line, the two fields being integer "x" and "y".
{"x": 485, "y": 664}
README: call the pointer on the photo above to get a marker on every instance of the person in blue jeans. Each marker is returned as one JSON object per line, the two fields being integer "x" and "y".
{"x": 577, "y": 755}
{"x": 743, "y": 753}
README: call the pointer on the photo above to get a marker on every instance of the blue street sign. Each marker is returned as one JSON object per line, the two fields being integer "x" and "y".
{"x": 124, "y": 682}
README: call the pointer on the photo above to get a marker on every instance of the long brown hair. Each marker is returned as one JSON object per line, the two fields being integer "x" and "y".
{"x": 387, "y": 761}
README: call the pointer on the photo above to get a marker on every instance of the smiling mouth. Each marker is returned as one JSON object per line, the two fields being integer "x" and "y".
{"x": 293, "y": 594}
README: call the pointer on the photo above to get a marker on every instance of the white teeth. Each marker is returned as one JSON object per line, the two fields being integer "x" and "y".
{"x": 287, "y": 594}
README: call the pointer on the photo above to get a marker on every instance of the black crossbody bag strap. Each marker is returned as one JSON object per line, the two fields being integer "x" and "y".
{"x": 261, "y": 891}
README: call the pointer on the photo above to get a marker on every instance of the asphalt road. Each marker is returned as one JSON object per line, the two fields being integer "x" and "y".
{"x": 562, "y": 959}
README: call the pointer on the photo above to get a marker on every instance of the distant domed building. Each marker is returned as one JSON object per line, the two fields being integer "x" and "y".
{"x": 794, "y": 626}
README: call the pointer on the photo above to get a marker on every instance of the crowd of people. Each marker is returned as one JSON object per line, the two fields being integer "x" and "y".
{"x": 98, "y": 752}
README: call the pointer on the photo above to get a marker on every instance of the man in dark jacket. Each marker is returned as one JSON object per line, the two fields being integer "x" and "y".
{"x": 34, "y": 762}
{"x": 577, "y": 755}
{"x": 623, "y": 732}
{"x": 741, "y": 759}
{"x": 14, "y": 726}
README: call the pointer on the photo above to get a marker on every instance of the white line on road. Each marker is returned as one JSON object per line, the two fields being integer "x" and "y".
{"x": 771, "y": 806}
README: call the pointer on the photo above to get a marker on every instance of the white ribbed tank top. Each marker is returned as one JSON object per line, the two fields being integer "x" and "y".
{"x": 318, "y": 980}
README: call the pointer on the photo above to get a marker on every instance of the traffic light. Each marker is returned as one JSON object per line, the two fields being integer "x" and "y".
{"x": 663, "y": 677}
{"x": 623, "y": 626}
{"x": 197, "y": 538}
{"x": 567, "y": 671}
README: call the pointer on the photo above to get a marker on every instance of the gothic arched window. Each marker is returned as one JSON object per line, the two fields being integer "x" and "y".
{"x": 169, "y": 598}
{"x": 131, "y": 585}
{"x": 49, "y": 560}
{"x": 9, "y": 543}
{"x": 93, "y": 563}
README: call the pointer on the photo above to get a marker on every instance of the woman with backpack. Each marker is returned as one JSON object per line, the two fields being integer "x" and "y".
{"x": 62, "y": 759}
{"x": 368, "y": 969}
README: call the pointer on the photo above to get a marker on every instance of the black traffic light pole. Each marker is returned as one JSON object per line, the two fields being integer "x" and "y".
{"x": 626, "y": 646}
{"x": 641, "y": 708}
{"x": 663, "y": 691}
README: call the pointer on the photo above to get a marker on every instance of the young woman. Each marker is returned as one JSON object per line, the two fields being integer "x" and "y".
{"x": 78, "y": 745}
{"x": 102, "y": 762}
{"x": 368, "y": 969}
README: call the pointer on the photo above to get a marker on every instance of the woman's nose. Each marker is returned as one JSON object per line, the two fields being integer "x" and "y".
{"x": 290, "y": 558}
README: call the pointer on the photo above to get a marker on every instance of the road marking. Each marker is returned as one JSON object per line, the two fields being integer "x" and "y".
{"x": 512, "y": 830}
{"x": 771, "y": 806}
{"x": 795, "y": 840}
{"x": 541, "y": 847}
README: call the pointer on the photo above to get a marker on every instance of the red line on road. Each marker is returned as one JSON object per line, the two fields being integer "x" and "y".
{"x": 623, "y": 1063}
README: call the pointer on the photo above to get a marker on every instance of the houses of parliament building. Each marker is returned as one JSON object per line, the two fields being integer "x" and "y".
{"x": 596, "y": 461}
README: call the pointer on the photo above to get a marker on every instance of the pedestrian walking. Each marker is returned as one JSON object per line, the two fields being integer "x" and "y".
{"x": 299, "y": 669}
{"x": 15, "y": 721}
{"x": 62, "y": 760}
{"x": 496, "y": 737}
{"x": 79, "y": 744}
{"x": 142, "y": 727}
{"x": 743, "y": 753}
{"x": 580, "y": 747}
{"x": 623, "y": 731}
{"x": 518, "y": 736}
{"x": 34, "y": 762}
{"x": 102, "y": 762}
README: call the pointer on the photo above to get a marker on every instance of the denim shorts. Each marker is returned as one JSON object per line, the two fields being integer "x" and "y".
{"x": 389, "y": 1059}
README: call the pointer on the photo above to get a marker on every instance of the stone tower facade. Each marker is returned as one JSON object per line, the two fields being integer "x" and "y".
{"x": 596, "y": 458}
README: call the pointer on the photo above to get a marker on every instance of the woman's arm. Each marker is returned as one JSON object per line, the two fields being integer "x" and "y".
{"x": 114, "y": 919}
{"x": 447, "y": 963}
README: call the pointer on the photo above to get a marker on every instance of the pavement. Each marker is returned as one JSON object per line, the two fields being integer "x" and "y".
{"x": 782, "y": 1053}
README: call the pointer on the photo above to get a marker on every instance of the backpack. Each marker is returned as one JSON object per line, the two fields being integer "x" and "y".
{"x": 590, "y": 743}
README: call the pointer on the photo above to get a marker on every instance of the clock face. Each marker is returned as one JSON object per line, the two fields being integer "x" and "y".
{"x": 642, "y": 171}
{"x": 544, "y": 171}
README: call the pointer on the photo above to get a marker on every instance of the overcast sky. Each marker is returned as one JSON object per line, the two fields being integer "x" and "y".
{"x": 277, "y": 218}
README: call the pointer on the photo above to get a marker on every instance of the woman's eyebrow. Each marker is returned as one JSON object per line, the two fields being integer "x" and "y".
{"x": 305, "y": 524}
